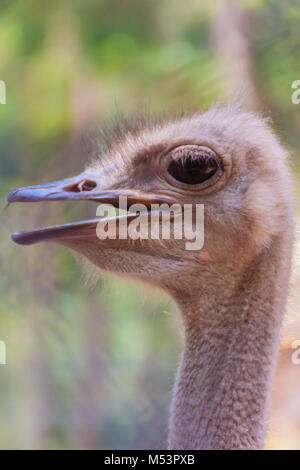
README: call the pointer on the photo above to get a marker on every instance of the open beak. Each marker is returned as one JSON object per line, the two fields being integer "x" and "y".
{"x": 78, "y": 188}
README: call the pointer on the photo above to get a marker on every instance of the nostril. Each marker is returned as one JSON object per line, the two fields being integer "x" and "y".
{"x": 86, "y": 185}
{"x": 73, "y": 188}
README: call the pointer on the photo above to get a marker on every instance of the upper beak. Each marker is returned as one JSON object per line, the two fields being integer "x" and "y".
{"x": 81, "y": 187}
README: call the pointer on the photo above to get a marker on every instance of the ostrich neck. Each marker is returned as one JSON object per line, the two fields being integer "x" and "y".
{"x": 231, "y": 341}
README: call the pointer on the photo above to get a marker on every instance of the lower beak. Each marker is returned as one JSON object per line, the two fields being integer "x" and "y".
{"x": 79, "y": 188}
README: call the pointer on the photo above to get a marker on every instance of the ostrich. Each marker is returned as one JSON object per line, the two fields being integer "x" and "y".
{"x": 232, "y": 293}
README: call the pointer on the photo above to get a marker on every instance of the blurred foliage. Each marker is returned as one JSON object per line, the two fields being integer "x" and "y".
{"x": 93, "y": 368}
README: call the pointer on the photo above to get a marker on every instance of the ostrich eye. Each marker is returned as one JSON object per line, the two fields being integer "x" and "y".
{"x": 193, "y": 166}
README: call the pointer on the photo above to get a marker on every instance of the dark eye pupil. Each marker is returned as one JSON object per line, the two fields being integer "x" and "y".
{"x": 193, "y": 170}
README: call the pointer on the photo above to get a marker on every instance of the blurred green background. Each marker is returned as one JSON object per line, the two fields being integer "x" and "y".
{"x": 93, "y": 367}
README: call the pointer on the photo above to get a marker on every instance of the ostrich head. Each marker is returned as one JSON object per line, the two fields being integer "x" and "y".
{"x": 226, "y": 159}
